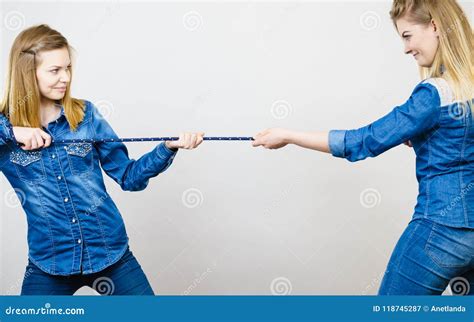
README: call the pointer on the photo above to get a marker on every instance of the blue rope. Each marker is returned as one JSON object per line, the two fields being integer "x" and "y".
{"x": 169, "y": 138}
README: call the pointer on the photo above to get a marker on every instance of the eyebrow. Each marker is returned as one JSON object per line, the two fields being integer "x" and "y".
{"x": 58, "y": 66}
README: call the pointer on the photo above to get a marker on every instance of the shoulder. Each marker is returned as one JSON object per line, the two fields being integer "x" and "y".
{"x": 94, "y": 112}
{"x": 88, "y": 106}
{"x": 441, "y": 88}
{"x": 90, "y": 110}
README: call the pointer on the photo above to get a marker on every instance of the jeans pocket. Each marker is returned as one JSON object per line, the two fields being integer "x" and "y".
{"x": 446, "y": 248}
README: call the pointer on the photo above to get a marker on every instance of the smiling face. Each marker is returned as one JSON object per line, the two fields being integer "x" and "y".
{"x": 53, "y": 73}
{"x": 421, "y": 41}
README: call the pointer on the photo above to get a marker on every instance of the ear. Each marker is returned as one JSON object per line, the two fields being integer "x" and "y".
{"x": 434, "y": 27}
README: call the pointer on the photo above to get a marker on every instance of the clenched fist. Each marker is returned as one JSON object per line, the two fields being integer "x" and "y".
{"x": 186, "y": 141}
{"x": 31, "y": 138}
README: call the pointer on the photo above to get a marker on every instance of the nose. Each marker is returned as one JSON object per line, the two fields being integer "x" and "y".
{"x": 65, "y": 78}
{"x": 407, "y": 49}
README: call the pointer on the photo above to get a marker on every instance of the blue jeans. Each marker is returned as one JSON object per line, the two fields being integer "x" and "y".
{"x": 429, "y": 257}
{"x": 125, "y": 277}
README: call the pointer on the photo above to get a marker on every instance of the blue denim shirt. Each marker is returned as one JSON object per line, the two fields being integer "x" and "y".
{"x": 442, "y": 133}
{"x": 74, "y": 225}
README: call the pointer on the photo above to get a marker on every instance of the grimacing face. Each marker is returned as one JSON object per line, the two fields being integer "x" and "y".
{"x": 53, "y": 73}
{"x": 421, "y": 41}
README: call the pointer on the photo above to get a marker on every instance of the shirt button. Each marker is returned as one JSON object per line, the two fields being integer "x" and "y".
{"x": 59, "y": 177}
{"x": 73, "y": 219}
{"x": 78, "y": 241}
{"x": 66, "y": 199}
{"x": 53, "y": 156}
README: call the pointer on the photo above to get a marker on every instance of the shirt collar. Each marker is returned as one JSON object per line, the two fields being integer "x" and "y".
{"x": 62, "y": 111}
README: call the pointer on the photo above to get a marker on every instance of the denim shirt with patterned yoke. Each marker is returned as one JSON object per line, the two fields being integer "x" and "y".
{"x": 442, "y": 134}
{"x": 73, "y": 224}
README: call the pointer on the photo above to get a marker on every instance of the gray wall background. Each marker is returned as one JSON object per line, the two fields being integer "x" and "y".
{"x": 228, "y": 218}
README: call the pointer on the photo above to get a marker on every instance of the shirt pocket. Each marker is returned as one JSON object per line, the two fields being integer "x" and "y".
{"x": 29, "y": 165}
{"x": 80, "y": 157}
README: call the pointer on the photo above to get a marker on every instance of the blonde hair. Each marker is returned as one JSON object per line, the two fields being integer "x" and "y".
{"x": 454, "y": 58}
{"x": 21, "y": 101}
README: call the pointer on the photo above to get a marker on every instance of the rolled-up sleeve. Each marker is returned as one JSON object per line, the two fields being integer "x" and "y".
{"x": 336, "y": 142}
{"x": 419, "y": 114}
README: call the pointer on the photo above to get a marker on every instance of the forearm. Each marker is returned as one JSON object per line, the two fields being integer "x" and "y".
{"x": 311, "y": 140}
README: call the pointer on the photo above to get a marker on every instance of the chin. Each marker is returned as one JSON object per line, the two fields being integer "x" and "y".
{"x": 425, "y": 64}
{"x": 56, "y": 97}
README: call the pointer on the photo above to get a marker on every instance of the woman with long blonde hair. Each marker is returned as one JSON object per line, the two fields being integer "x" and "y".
{"x": 76, "y": 234}
{"x": 437, "y": 247}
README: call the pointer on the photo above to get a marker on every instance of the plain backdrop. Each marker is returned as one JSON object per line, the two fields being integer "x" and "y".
{"x": 228, "y": 218}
